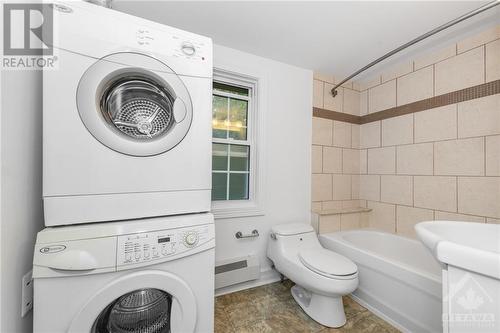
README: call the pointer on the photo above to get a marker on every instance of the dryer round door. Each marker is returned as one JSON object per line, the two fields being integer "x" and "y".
{"x": 134, "y": 104}
{"x": 141, "y": 302}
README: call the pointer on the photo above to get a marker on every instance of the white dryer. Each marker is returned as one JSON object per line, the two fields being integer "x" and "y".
{"x": 154, "y": 275}
{"x": 126, "y": 118}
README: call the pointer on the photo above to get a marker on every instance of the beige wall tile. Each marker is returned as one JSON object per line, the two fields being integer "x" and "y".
{"x": 481, "y": 38}
{"x": 350, "y": 161}
{"x": 382, "y": 97}
{"x": 369, "y": 135}
{"x": 397, "y": 190}
{"x": 493, "y": 155}
{"x": 369, "y": 187}
{"x": 355, "y": 136}
{"x": 322, "y": 131}
{"x": 382, "y": 216}
{"x": 324, "y": 77}
{"x": 407, "y": 217}
{"x": 462, "y": 71}
{"x": 321, "y": 187}
{"x": 350, "y": 203}
{"x": 416, "y": 86}
{"x": 382, "y": 160}
{"x": 464, "y": 157}
{"x": 351, "y": 102}
{"x": 342, "y": 134}
{"x": 317, "y": 159}
{"x": 332, "y": 160}
{"x": 415, "y": 159}
{"x": 479, "y": 117}
{"x": 356, "y": 86}
{"x": 436, "y": 124}
{"x": 363, "y": 161}
{"x": 435, "y": 56}
{"x": 348, "y": 85}
{"x": 495, "y": 221}
{"x": 316, "y": 206}
{"x": 327, "y": 205}
{"x": 446, "y": 216}
{"x": 364, "y": 220}
{"x": 330, "y": 102}
{"x": 397, "y": 71}
{"x": 493, "y": 61}
{"x": 397, "y": 130}
{"x": 318, "y": 94}
{"x": 350, "y": 221}
{"x": 329, "y": 223}
{"x": 363, "y": 103}
{"x": 342, "y": 187}
{"x": 435, "y": 192}
{"x": 479, "y": 196}
{"x": 355, "y": 188}
{"x": 370, "y": 82}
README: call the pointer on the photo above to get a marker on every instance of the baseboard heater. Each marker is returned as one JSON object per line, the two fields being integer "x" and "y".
{"x": 236, "y": 270}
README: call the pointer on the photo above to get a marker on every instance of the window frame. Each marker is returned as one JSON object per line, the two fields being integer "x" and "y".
{"x": 253, "y": 205}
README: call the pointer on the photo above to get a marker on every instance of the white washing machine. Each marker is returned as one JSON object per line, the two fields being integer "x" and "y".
{"x": 154, "y": 275}
{"x": 126, "y": 118}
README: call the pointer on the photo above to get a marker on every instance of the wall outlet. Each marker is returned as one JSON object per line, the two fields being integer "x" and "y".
{"x": 27, "y": 294}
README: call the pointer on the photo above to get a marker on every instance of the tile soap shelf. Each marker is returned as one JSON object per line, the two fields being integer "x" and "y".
{"x": 338, "y": 211}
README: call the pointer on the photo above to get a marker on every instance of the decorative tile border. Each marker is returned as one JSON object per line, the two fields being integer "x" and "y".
{"x": 482, "y": 90}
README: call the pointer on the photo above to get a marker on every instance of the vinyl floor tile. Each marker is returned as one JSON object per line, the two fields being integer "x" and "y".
{"x": 272, "y": 309}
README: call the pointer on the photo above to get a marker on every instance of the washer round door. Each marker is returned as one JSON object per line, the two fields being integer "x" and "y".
{"x": 141, "y": 302}
{"x": 134, "y": 104}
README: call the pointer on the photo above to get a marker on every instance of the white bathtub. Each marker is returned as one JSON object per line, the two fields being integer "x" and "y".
{"x": 398, "y": 278}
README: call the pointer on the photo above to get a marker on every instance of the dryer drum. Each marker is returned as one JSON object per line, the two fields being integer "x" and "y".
{"x": 140, "y": 311}
{"x": 138, "y": 108}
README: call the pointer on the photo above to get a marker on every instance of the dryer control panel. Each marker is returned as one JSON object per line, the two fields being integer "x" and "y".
{"x": 156, "y": 245}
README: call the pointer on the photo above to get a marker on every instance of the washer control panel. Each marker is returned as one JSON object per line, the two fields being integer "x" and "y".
{"x": 155, "y": 245}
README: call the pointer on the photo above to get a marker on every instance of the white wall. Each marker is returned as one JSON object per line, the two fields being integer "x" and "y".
{"x": 287, "y": 118}
{"x": 287, "y": 148}
{"x": 21, "y": 191}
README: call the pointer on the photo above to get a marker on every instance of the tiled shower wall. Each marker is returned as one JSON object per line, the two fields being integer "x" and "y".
{"x": 442, "y": 163}
{"x": 335, "y": 150}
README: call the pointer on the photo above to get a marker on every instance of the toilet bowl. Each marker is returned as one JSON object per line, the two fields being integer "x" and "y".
{"x": 321, "y": 276}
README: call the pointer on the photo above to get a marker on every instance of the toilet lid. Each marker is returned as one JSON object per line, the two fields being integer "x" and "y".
{"x": 326, "y": 262}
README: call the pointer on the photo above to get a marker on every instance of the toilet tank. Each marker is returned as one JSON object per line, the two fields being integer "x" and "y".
{"x": 289, "y": 238}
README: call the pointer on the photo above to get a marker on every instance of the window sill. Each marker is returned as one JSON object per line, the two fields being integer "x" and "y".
{"x": 235, "y": 209}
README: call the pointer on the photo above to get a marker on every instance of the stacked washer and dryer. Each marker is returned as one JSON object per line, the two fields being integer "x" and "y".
{"x": 129, "y": 243}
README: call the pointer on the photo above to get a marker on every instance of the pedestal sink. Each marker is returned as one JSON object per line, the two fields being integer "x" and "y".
{"x": 470, "y": 257}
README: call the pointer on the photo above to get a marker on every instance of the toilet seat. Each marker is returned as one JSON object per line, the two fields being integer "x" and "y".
{"x": 328, "y": 263}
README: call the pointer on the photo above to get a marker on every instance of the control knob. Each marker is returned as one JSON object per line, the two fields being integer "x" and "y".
{"x": 188, "y": 49}
{"x": 190, "y": 238}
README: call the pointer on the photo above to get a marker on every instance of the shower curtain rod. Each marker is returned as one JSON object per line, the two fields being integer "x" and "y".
{"x": 416, "y": 40}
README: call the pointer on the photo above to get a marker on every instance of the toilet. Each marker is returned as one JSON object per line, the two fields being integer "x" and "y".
{"x": 321, "y": 276}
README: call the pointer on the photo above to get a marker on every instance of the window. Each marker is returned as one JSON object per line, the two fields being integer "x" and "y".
{"x": 237, "y": 135}
{"x": 232, "y": 144}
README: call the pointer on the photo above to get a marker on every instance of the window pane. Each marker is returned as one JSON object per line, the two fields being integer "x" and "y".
{"x": 219, "y": 156}
{"x": 219, "y": 186}
{"x": 219, "y": 116}
{"x": 238, "y": 186}
{"x": 239, "y": 157}
{"x": 231, "y": 89}
{"x": 238, "y": 110}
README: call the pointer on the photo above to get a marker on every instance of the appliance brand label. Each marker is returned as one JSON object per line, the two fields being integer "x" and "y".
{"x": 53, "y": 249}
